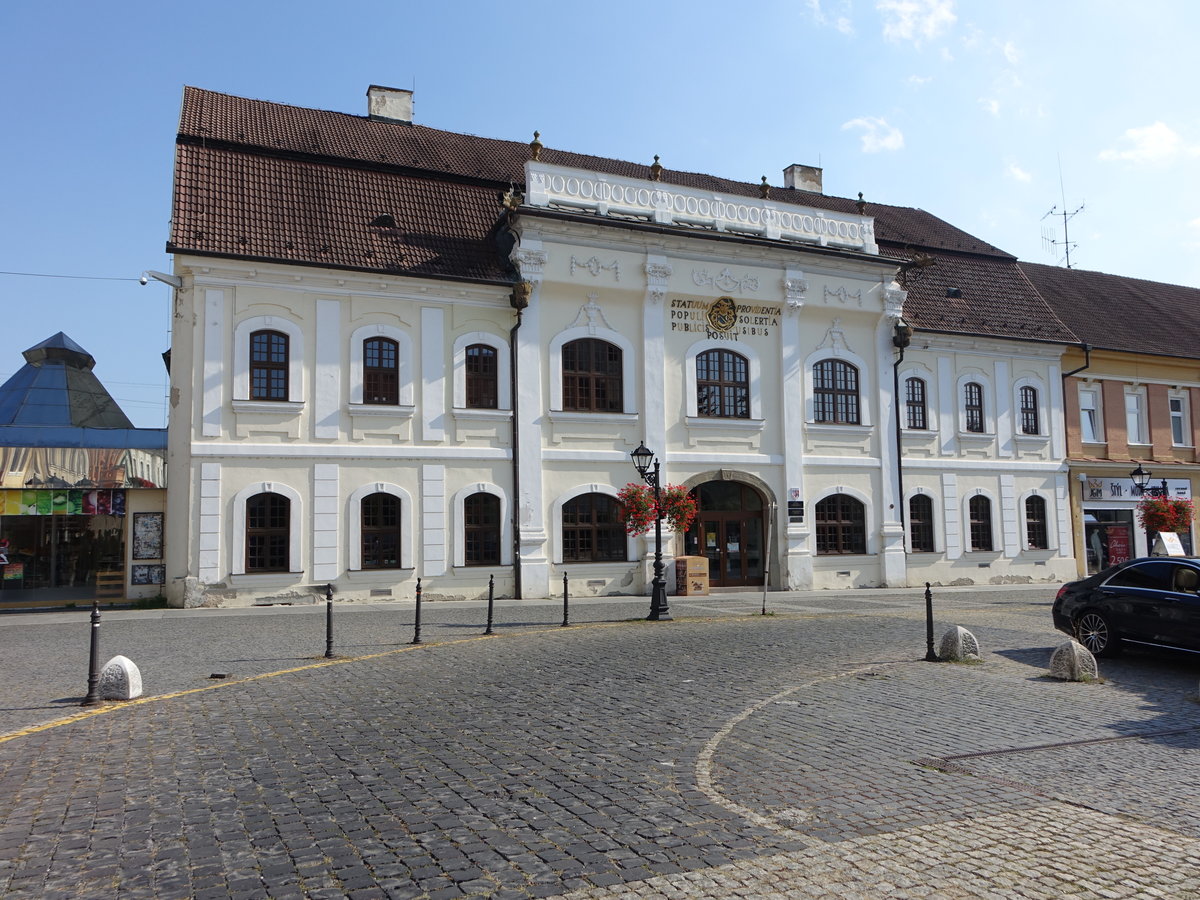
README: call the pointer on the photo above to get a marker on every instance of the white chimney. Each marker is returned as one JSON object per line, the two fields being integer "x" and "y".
{"x": 390, "y": 104}
{"x": 803, "y": 178}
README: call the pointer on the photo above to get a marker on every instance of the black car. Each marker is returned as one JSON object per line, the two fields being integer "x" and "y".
{"x": 1151, "y": 601}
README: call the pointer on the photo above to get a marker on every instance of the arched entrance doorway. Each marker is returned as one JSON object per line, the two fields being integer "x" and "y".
{"x": 728, "y": 530}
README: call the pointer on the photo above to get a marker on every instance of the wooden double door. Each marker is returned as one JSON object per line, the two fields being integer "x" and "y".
{"x": 728, "y": 530}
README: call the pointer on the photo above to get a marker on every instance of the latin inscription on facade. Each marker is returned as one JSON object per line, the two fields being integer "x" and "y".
{"x": 723, "y": 319}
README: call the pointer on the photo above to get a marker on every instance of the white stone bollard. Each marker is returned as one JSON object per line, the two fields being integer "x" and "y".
{"x": 958, "y": 645}
{"x": 120, "y": 679}
{"x": 1073, "y": 662}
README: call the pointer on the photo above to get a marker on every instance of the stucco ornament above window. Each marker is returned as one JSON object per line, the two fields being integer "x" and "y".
{"x": 594, "y": 267}
{"x": 591, "y": 316}
{"x": 844, "y": 296}
{"x": 835, "y": 338}
{"x": 725, "y": 281}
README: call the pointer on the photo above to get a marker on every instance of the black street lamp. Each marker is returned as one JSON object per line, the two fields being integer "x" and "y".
{"x": 1141, "y": 480}
{"x": 642, "y": 456}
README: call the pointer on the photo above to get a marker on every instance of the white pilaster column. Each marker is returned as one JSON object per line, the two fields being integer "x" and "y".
{"x": 433, "y": 374}
{"x": 948, "y": 400}
{"x": 210, "y": 537}
{"x": 654, "y": 417}
{"x": 1055, "y": 422}
{"x": 327, "y": 383}
{"x": 952, "y": 516}
{"x": 893, "y": 563}
{"x": 212, "y": 390}
{"x": 325, "y": 522}
{"x": 531, "y": 408}
{"x": 1010, "y": 516}
{"x": 797, "y": 563}
{"x": 1004, "y": 409}
{"x": 433, "y": 521}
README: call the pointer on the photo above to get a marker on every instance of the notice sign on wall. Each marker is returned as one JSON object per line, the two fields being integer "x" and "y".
{"x": 723, "y": 319}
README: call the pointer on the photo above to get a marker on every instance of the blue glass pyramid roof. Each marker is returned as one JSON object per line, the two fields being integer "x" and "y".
{"x": 56, "y": 387}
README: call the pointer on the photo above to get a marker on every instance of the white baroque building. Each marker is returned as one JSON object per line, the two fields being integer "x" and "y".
{"x": 401, "y": 354}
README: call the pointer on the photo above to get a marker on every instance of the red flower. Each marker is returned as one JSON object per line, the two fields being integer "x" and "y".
{"x": 1165, "y": 514}
{"x": 637, "y": 505}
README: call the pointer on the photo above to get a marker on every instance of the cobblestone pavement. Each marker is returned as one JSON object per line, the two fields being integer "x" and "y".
{"x": 809, "y": 753}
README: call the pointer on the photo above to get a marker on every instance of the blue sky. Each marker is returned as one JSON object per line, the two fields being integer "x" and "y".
{"x": 987, "y": 114}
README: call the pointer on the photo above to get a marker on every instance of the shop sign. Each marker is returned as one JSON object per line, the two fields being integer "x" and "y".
{"x": 1097, "y": 489}
{"x": 62, "y": 502}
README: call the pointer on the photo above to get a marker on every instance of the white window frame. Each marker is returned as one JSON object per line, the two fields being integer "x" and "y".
{"x": 939, "y": 539}
{"x": 556, "y": 536}
{"x": 404, "y": 364}
{"x": 354, "y": 526}
{"x": 296, "y": 532}
{"x": 241, "y": 358}
{"x": 1181, "y": 416}
{"x": 460, "y": 522}
{"x": 993, "y": 513}
{"x": 866, "y": 388}
{"x": 1051, "y": 522}
{"x": 503, "y": 368}
{"x": 988, "y": 397}
{"x": 1135, "y": 416}
{"x": 628, "y": 394}
{"x": 754, "y": 374}
{"x": 1042, "y": 408}
{"x": 1092, "y": 392}
{"x": 870, "y": 524}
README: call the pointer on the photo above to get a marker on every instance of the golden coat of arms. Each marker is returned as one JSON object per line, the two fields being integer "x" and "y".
{"x": 722, "y": 314}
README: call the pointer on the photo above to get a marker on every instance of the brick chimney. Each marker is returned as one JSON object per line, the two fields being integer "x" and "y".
{"x": 803, "y": 178}
{"x": 387, "y": 104}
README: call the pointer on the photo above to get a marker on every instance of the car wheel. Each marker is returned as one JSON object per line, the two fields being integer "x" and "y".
{"x": 1095, "y": 632}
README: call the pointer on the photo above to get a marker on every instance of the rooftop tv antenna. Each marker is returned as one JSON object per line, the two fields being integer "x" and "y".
{"x": 1049, "y": 238}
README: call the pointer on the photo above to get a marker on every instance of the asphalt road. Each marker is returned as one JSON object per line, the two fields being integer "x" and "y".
{"x": 806, "y": 753}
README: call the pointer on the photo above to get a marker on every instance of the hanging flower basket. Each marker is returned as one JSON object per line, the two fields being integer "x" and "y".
{"x": 637, "y": 504}
{"x": 1165, "y": 514}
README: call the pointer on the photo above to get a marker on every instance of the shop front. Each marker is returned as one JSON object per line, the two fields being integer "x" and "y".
{"x": 1111, "y": 533}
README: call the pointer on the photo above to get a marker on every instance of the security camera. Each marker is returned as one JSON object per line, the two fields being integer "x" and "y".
{"x": 144, "y": 280}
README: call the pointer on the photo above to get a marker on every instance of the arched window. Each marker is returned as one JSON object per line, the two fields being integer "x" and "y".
{"x": 481, "y": 372}
{"x": 481, "y": 530}
{"x": 593, "y": 379}
{"x": 835, "y": 392}
{"x": 914, "y": 399}
{"x": 920, "y": 523}
{"x": 268, "y": 365}
{"x": 592, "y": 529}
{"x": 722, "y": 385}
{"x": 1029, "y": 411}
{"x": 980, "y": 508}
{"x": 1036, "y": 533}
{"x": 380, "y": 531}
{"x": 973, "y": 406}
{"x": 841, "y": 525}
{"x": 268, "y": 533}
{"x": 381, "y": 371}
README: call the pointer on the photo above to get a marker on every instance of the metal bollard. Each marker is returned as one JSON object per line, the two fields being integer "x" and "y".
{"x": 329, "y": 621}
{"x": 417, "y": 622}
{"x": 93, "y": 691}
{"x": 930, "y": 653}
{"x": 491, "y": 602}
{"x": 566, "y": 608}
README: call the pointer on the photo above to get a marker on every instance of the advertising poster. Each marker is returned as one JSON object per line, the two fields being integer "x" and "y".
{"x": 45, "y": 502}
{"x": 1120, "y": 544}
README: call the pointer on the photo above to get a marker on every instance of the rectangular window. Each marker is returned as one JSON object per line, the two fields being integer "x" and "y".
{"x": 1180, "y": 432}
{"x": 1135, "y": 419}
{"x": 914, "y": 397}
{"x": 973, "y": 407}
{"x": 1089, "y": 416}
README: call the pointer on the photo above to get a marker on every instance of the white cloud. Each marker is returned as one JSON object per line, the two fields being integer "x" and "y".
{"x": 919, "y": 80}
{"x": 915, "y": 20}
{"x": 1154, "y": 143}
{"x": 990, "y": 104}
{"x": 1016, "y": 173}
{"x": 1011, "y": 53}
{"x": 1195, "y": 223}
{"x": 877, "y": 134}
{"x": 840, "y": 22}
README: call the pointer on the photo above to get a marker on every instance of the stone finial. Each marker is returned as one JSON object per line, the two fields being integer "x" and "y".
{"x": 764, "y": 189}
{"x": 1073, "y": 662}
{"x": 958, "y": 645}
{"x": 535, "y": 147}
{"x": 656, "y": 170}
{"x": 861, "y": 204}
{"x": 120, "y": 679}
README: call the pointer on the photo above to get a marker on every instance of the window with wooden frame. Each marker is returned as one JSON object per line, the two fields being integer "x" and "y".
{"x": 835, "y": 393}
{"x": 381, "y": 371}
{"x": 481, "y": 374}
{"x": 1036, "y": 532}
{"x": 593, "y": 376}
{"x": 1030, "y": 421}
{"x": 722, "y": 385}
{"x": 380, "y": 514}
{"x": 973, "y": 407}
{"x": 592, "y": 530}
{"x": 914, "y": 401}
{"x": 268, "y": 533}
{"x": 980, "y": 511}
{"x": 920, "y": 523}
{"x": 481, "y": 530}
{"x": 841, "y": 525}
{"x": 268, "y": 366}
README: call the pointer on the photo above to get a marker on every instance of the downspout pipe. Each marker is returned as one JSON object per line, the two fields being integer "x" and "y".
{"x": 901, "y": 338}
{"x": 520, "y": 300}
{"x": 1087, "y": 360}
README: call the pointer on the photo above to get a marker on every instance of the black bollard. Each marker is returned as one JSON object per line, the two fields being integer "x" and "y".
{"x": 930, "y": 654}
{"x": 491, "y": 601}
{"x": 329, "y": 621}
{"x": 417, "y": 621}
{"x": 566, "y": 609}
{"x": 93, "y": 691}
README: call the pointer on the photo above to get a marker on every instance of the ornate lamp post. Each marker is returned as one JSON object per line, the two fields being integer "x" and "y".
{"x": 1141, "y": 480}
{"x": 642, "y": 457}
